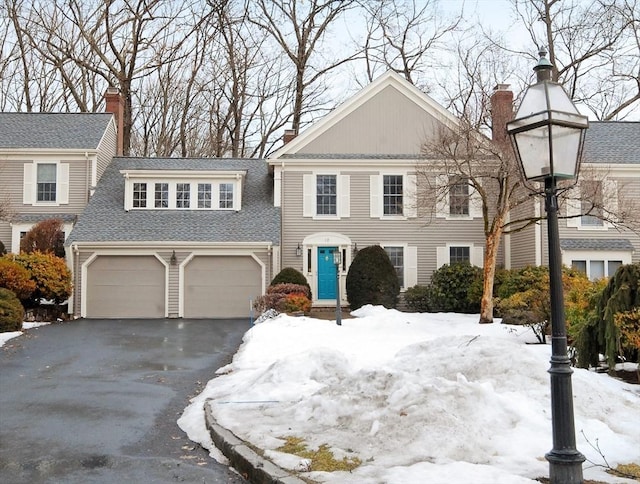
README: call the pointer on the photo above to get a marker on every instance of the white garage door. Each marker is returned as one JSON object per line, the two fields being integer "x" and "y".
{"x": 125, "y": 287}
{"x": 221, "y": 286}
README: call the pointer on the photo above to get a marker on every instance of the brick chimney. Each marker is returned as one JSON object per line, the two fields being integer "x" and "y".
{"x": 289, "y": 135}
{"x": 115, "y": 104}
{"x": 501, "y": 112}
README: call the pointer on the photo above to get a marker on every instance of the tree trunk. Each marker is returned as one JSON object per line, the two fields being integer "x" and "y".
{"x": 489, "y": 272}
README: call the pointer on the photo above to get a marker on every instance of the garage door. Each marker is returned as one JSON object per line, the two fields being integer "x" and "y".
{"x": 221, "y": 286}
{"x": 125, "y": 287}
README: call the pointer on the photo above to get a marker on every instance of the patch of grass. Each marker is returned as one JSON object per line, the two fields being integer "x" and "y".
{"x": 321, "y": 459}
{"x": 630, "y": 471}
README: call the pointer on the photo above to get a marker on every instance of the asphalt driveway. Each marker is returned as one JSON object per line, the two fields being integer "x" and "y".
{"x": 96, "y": 401}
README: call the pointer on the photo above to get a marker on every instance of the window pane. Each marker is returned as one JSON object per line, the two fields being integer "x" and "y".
{"x": 226, "y": 195}
{"x": 591, "y": 203}
{"x": 392, "y": 194}
{"x": 46, "y": 182}
{"x": 326, "y": 195}
{"x": 612, "y": 267}
{"x": 204, "y": 195}
{"x": 396, "y": 255}
{"x": 183, "y": 195}
{"x": 459, "y": 254}
{"x": 580, "y": 265}
{"x": 161, "y": 195}
{"x": 139, "y": 195}
{"x": 458, "y": 195}
{"x": 596, "y": 268}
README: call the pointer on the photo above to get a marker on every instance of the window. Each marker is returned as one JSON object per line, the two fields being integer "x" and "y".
{"x": 326, "y": 195}
{"x": 392, "y": 194}
{"x": 183, "y": 195}
{"x": 139, "y": 195}
{"x": 596, "y": 269}
{"x": 459, "y": 254}
{"x": 226, "y": 195}
{"x": 46, "y": 188}
{"x": 204, "y": 195}
{"x": 396, "y": 255}
{"x": 161, "y": 195}
{"x": 458, "y": 195}
{"x": 591, "y": 203}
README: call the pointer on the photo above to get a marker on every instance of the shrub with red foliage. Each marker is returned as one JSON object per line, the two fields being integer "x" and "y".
{"x": 16, "y": 278}
{"x": 45, "y": 236}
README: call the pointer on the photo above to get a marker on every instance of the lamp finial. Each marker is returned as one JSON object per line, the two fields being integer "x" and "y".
{"x": 544, "y": 67}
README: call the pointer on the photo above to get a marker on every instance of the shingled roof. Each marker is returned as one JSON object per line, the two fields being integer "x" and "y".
{"x": 596, "y": 244}
{"x": 81, "y": 131}
{"x": 105, "y": 220}
{"x": 612, "y": 142}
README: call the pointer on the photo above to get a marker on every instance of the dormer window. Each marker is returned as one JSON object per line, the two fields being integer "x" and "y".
{"x": 173, "y": 190}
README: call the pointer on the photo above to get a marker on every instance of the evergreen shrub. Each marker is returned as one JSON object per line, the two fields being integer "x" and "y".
{"x": 372, "y": 279}
{"x": 418, "y": 298}
{"x": 450, "y": 287}
{"x": 11, "y": 311}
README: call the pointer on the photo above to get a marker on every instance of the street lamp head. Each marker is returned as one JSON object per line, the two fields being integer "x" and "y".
{"x": 548, "y": 131}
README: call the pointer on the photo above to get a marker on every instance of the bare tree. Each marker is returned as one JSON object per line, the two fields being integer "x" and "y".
{"x": 298, "y": 29}
{"x": 406, "y": 36}
{"x": 595, "y": 47}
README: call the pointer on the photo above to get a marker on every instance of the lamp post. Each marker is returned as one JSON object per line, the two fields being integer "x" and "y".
{"x": 547, "y": 135}
{"x": 337, "y": 260}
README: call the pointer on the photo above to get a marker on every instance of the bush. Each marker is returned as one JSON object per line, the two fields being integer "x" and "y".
{"x": 603, "y": 333}
{"x": 293, "y": 276}
{"x": 520, "y": 280}
{"x": 16, "y": 278}
{"x": 450, "y": 287}
{"x": 418, "y": 298}
{"x": 285, "y": 298}
{"x": 372, "y": 279}
{"x": 46, "y": 236}
{"x": 11, "y": 311}
{"x": 50, "y": 274}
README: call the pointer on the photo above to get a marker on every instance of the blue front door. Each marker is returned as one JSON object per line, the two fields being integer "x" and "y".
{"x": 326, "y": 273}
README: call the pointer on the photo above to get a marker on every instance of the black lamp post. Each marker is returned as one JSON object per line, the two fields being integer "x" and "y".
{"x": 337, "y": 260}
{"x": 547, "y": 136}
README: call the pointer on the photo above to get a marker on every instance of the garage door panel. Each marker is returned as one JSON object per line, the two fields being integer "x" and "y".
{"x": 221, "y": 286}
{"x": 126, "y": 287}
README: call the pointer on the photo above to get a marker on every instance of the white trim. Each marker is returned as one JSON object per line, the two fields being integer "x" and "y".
{"x": 324, "y": 239}
{"x": 17, "y": 228}
{"x": 30, "y": 183}
{"x": 175, "y": 175}
{"x": 278, "y": 173}
{"x": 476, "y": 253}
{"x": 568, "y": 256}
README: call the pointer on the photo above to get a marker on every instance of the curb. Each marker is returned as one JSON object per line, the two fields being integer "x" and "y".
{"x": 254, "y": 467}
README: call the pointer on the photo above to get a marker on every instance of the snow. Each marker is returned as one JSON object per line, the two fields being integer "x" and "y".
{"x": 6, "y": 336}
{"x": 417, "y": 397}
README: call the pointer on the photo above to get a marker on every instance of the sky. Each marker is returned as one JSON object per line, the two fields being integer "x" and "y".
{"x": 417, "y": 398}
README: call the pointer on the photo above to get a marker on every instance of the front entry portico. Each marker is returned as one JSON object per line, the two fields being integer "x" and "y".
{"x": 318, "y": 250}
{"x": 326, "y": 273}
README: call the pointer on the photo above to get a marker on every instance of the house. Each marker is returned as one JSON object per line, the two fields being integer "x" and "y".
{"x": 350, "y": 181}
{"x": 175, "y": 237}
{"x": 50, "y": 164}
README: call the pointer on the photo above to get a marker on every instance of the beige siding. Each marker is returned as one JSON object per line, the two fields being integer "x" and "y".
{"x": 421, "y": 232}
{"x": 106, "y": 149}
{"x": 389, "y": 123}
{"x": 523, "y": 243}
{"x": 5, "y": 234}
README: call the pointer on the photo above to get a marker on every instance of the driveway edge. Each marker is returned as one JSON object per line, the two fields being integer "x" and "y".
{"x": 251, "y": 465}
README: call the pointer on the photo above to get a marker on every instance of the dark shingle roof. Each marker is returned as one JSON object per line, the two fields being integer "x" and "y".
{"x": 612, "y": 142}
{"x": 52, "y": 130}
{"x": 596, "y": 244}
{"x": 39, "y": 217}
{"x": 105, "y": 219}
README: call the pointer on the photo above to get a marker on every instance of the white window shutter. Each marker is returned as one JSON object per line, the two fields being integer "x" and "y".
{"x": 375, "y": 200}
{"x": 574, "y": 207}
{"x": 610, "y": 198}
{"x": 63, "y": 183}
{"x": 410, "y": 267}
{"x": 29, "y": 182}
{"x": 477, "y": 256}
{"x": 475, "y": 203}
{"x": 442, "y": 256}
{"x": 410, "y": 198}
{"x": 345, "y": 196}
{"x": 309, "y": 195}
{"x": 442, "y": 198}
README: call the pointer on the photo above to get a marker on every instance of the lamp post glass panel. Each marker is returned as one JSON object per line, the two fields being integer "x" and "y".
{"x": 337, "y": 260}
{"x": 547, "y": 135}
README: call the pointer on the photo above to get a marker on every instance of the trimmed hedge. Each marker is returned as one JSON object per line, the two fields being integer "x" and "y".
{"x": 11, "y": 311}
{"x": 372, "y": 279}
{"x": 451, "y": 288}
